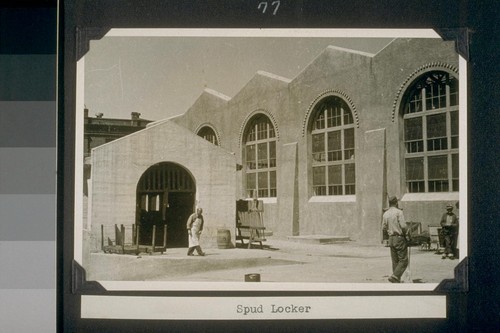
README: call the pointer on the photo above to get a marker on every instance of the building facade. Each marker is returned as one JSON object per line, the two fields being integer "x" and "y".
{"x": 323, "y": 150}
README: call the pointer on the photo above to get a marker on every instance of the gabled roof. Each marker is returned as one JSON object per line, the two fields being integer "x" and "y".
{"x": 273, "y": 76}
{"x": 264, "y": 82}
{"x": 216, "y": 94}
{"x": 333, "y": 58}
{"x": 342, "y": 49}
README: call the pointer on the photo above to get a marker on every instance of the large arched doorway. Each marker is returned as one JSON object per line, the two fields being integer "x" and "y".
{"x": 165, "y": 195}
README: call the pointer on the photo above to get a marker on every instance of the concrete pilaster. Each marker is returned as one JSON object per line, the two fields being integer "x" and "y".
{"x": 288, "y": 202}
{"x": 372, "y": 182}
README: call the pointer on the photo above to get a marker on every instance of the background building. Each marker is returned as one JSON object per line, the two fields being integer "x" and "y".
{"x": 323, "y": 150}
{"x": 99, "y": 130}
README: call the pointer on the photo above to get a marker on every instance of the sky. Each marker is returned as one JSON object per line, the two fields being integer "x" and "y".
{"x": 160, "y": 77}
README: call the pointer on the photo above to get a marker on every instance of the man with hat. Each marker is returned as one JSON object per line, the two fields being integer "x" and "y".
{"x": 449, "y": 231}
{"x": 393, "y": 221}
{"x": 195, "y": 226}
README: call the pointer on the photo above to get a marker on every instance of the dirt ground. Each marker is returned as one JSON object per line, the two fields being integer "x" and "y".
{"x": 279, "y": 261}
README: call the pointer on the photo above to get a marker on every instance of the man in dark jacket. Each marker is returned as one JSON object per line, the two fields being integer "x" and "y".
{"x": 449, "y": 231}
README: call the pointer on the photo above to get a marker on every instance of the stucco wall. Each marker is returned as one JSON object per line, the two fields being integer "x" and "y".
{"x": 118, "y": 166}
{"x": 372, "y": 85}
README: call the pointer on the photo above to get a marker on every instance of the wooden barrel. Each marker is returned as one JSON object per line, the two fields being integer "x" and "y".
{"x": 223, "y": 239}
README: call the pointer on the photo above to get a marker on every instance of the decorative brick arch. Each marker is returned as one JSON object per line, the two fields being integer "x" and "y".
{"x": 210, "y": 125}
{"x": 245, "y": 122}
{"x": 433, "y": 66}
{"x": 327, "y": 93}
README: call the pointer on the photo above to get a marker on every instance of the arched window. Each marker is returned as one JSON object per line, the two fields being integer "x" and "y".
{"x": 260, "y": 157}
{"x": 332, "y": 134}
{"x": 430, "y": 116}
{"x": 207, "y": 133}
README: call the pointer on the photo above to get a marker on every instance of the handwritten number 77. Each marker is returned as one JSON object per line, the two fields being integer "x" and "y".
{"x": 263, "y": 6}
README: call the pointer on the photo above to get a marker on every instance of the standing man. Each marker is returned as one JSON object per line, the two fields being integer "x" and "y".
{"x": 449, "y": 230}
{"x": 195, "y": 226}
{"x": 393, "y": 221}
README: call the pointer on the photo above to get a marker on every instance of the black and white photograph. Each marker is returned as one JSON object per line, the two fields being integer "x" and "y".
{"x": 297, "y": 159}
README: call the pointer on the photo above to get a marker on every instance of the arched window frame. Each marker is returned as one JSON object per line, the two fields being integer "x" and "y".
{"x": 430, "y": 123}
{"x": 259, "y": 157}
{"x": 332, "y": 148}
{"x": 209, "y": 133}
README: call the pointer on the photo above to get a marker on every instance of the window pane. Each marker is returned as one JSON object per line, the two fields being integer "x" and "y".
{"x": 454, "y": 129}
{"x": 251, "y": 134}
{"x": 415, "y": 175}
{"x": 436, "y": 132}
{"x": 263, "y": 193}
{"x": 454, "y": 172}
{"x": 272, "y": 154}
{"x": 438, "y": 167}
{"x": 349, "y": 144}
{"x": 251, "y": 181}
{"x": 319, "y": 181}
{"x": 261, "y": 129}
{"x": 350, "y": 174}
{"x": 415, "y": 168}
{"x": 335, "y": 180}
{"x": 413, "y": 129}
{"x": 435, "y": 92}
{"x": 208, "y": 134}
{"x": 348, "y": 119}
{"x": 262, "y": 179}
{"x": 415, "y": 102}
{"x": 250, "y": 157}
{"x": 438, "y": 173}
{"x": 413, "y": 135}
{"x": 436, "y": 125}
{"x": 319, "y": 122}
{"x": 335, "y": 174}
{"x": 334, "y": 116}
{"x": 334, "y": 146}
{"x": 318, "y": 147}
{"x": 454, "y": 166}
{"x": 272, "y": 179}
{"x": 262, "y": 156}
{"x": 453, "y": 83}
{"x": 319, "y": 176}
{"x": 271, "y": 131}
{"x": 438, "y": 186}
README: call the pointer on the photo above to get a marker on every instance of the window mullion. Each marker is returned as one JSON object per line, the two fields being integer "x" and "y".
{"x": 256, "y": 165}
{"x": 448, "y": 139}
{"x": 326, "y": 163}
{"x": 268, "y": 168}
{"x": 342, "y": 160}
{"x": 424, "y": 102}
{"x": 424, "y": 138}
{"x": 426, "y": 175}
{"x": 450, "y": 173}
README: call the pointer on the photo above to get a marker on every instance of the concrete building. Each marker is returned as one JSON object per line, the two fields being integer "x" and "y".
{"x": 323, "y": 150}
{"x": 99, "y": 130}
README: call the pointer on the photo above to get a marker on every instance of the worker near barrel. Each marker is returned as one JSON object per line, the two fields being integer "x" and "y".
{"x": 393, "y": 222}
{"x": 194, "y": 226}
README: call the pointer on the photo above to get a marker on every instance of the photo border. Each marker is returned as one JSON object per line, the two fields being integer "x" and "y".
{"x": 82, "y": 27}
{"x": 273, "y": 33}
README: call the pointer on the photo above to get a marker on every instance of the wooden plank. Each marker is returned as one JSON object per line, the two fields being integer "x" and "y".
{"x": 165, "y": 236}
{"x": 154, "y": 238}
